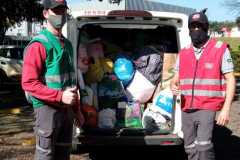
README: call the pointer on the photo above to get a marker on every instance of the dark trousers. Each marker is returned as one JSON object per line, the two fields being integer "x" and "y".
{"x": 53, "y": 127}
{"x": 197, "y": 127}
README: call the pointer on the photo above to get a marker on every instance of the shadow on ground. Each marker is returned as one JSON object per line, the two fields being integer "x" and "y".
{"x": 226, "y": 144}
{"x": 12, "y": 95}
{"x": 137, "y": 152}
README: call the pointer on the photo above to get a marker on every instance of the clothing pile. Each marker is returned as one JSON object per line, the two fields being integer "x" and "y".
{"x": 120, "y": 88}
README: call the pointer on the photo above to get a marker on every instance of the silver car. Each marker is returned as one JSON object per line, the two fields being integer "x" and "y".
{"x": 11, "y": 59}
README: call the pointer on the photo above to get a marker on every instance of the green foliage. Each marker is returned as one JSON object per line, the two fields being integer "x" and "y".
{"x": 238, "y": 20}
{"x": 233, "y": 6}
{"x": 233, "y": 42}
{"x": 236, "y": 60}
{"x": 217, "y": 26}
{"x": 235, "y": 50}
{"x": 15, "y": 11}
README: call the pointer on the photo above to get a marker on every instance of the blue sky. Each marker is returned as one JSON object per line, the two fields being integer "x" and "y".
{"x": 217, "y": 11}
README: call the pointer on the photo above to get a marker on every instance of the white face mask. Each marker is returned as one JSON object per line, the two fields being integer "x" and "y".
{"x": 57, "y": 21}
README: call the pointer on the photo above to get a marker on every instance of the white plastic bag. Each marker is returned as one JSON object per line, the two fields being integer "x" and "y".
{"x": 140, "y": 89}
{"x": 107, "y": 118}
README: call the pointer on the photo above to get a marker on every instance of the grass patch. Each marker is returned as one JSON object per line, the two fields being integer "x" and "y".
{"x": 235, "y": 50}
{"x": 233, "y": 42}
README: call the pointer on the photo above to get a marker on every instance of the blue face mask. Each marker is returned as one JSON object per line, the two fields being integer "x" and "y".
{"x": 57, "y": 21}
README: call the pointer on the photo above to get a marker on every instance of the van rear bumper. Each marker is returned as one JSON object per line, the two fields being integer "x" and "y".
{"x": 130, "y": 140}
{"x": 15, "y": 78}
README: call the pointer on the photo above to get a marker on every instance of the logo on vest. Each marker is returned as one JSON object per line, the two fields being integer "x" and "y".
{"x": 208, "y": 65}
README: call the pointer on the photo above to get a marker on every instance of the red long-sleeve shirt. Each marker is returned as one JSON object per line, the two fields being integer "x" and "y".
{"x": 33, "y": 68}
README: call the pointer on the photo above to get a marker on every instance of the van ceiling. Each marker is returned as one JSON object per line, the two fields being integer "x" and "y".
{"x": 149, "y": 34}
{"x": 129, "y": 26}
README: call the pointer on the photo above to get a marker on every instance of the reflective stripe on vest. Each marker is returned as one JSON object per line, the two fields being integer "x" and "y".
{"x": 198, "y": 92}
{"x": 59, "y": 78}
{"x": 202, "y": 82}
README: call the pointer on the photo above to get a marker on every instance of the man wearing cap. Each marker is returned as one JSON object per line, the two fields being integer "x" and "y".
{"x": 49, "y": 81}
{"x": 204, "y": 76}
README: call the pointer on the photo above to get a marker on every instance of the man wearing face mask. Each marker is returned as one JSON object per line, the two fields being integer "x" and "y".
{"x": 48, "y": 78}
{"x": 204, "y": 77}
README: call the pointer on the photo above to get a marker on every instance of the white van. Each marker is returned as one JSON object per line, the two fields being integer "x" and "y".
{"x": 11, "y": 59}
{"x": 166, "y": 29}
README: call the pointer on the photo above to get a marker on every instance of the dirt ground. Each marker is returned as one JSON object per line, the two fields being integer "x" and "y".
{"x": 17, "y": 139}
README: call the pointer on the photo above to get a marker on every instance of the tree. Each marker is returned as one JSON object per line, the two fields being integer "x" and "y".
{"x": 238, "y": 21}
{"x": 233, "y": 5}
{"x": 217, "y": 26}
{"x": 15, "y": 11}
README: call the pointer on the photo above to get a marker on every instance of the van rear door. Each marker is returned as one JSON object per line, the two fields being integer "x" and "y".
{"x": 166, "y": 31}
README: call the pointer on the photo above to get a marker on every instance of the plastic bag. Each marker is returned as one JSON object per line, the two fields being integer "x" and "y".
{"x": 124, "y": 69}
{"x": 163, "y": 102}
{"x": 129, "y": 114}
{"x": 90, "y": 116}
{"x": 140, "y": 89}
{"x": 150, "y": 63}
{"x": 107, "y": 118}
{"x": 95, "y": 72}
{"x": 110, "y": 92}
{"x": 153, "y": 120}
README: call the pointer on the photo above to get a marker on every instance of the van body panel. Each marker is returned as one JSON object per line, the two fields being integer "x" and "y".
{"x": 184, "y": 38}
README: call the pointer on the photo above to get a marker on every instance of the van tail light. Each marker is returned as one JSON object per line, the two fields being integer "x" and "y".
{"x": 167, "y": 143}
{"x": 129, "y": 13}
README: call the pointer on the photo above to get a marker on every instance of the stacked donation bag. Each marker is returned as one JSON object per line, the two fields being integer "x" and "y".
{"x": 118, "y": 89}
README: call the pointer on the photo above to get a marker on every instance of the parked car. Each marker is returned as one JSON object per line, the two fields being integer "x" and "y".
{"x": 11, "y": 59}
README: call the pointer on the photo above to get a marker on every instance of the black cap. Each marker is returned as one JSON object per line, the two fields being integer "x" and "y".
{"x": 49, "y": 4}
{"x": 199, "y": 17}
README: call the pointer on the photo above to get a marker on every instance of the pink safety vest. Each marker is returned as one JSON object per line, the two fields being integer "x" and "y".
{"x": 201, "y": 82}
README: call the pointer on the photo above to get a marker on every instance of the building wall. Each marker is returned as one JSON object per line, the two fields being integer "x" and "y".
{"x": 24, "y": 29}
{"x": 235, "y": 32}
{"x": 20, "y": 29}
